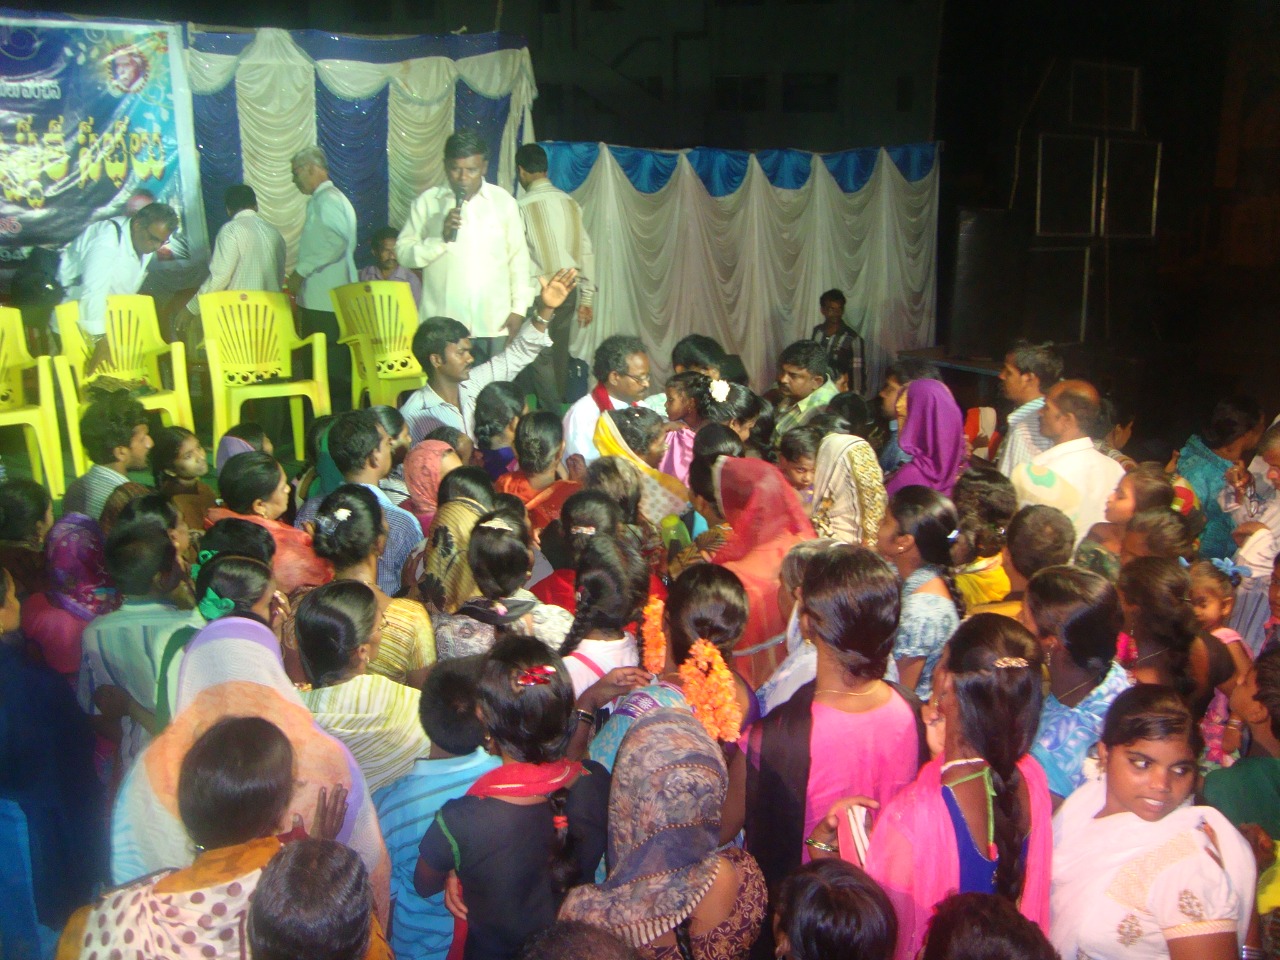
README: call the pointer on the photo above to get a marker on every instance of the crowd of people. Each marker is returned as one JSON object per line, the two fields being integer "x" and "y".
{"x": 690, "y": 674}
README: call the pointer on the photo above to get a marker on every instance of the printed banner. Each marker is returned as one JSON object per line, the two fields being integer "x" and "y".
{"x": 87, "y": 119}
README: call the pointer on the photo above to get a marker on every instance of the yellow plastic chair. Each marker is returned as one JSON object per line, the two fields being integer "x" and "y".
{"x": 377, "y": 320}
{"x": 133, "y": 336}
{"x": 250, "y": 339}
{"x": 39, "y": 420}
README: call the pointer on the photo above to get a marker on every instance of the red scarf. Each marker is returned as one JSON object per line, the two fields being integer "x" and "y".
{"x": 516, "y": 780}
{"x": 601, "y": 396}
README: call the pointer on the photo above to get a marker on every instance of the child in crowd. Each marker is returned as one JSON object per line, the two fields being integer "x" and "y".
{"x": 462, "y": 444}
{"x": 306, "y": 483}
{"x": 528, "y": 830}
{"x": 244, "y": 437}
{"x": 797, "y": 455}
{"x": 1037, "y": 537}
{"x": 1249, "y": 790}
{"x": 539, "y": 483}
{"x": 986, "y": 502}
{"x": 585, "y": 514}
{"x": 499, "y": 407}
{"x": 423, "y": 928}
{"x": 830, "y": 908}
{"x": 116, "y": 435}
{"x": 178, "y": 462}
{"x": 621, "y": 480}
{"x": 26, "y": 517}
{"x": 611, "y": 587}
{"x": 969, "y": 925}
{"x": 1156, "y": 533}
{"x": 1213, "y": 595}
{"x": 339, "y": 629}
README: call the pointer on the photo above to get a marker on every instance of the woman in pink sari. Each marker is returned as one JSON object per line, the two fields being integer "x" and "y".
{"x": 766, "y": 519}
{"x": 977, "y": 818}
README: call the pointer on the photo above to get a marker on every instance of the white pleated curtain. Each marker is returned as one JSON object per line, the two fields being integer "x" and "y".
{"x": 275, "y": 100}
{"x": 748, "y": 268}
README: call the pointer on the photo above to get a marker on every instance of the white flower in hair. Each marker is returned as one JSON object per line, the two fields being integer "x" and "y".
{"x": 342, "y": 514}
{"x": 719, "y": 390}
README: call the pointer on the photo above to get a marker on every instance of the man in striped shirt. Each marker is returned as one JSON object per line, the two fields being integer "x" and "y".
{"x": 115, "y": 434}
{"x": 1029, "y": 371}
{"x": 557, "y": 240}
{"x": 422, "y": 928}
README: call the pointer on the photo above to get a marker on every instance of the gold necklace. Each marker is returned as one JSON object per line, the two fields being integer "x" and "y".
{"x": 1061, "y": 698}
{"x": 853, "y": 693}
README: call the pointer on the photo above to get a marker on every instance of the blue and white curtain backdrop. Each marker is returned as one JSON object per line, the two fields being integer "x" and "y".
{"x": 381, "y": 110}
{"x": 740, "y": 245}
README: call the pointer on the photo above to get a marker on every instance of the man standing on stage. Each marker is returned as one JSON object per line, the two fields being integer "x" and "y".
{"x": 557, "y": 240}
{"x": 326, "y": 259}
{"x": 846, "y": 353}
{"x": 467, "y": 237}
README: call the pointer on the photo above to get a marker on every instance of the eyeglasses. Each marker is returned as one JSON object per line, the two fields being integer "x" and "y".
{"x": 643, "y": 381}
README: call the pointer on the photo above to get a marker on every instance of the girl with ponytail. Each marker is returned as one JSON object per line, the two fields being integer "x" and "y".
{"x": 611, "y": 588}
{"x": 918, "y": 535}
{"x": 528, "y": 830}
{"x": 977, "y": 818}
{"x": 692, "y": 402}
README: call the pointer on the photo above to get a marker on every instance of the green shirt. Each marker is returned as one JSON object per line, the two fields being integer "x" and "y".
{"x": 1248, "y": 792}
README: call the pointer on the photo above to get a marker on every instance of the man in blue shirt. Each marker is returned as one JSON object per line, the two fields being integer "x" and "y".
{"x": 422, "y": 929}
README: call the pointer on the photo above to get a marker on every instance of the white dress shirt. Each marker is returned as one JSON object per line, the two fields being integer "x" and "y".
{"x": 482, "y": 276}
{"x": 1072, "y": 476}
{"x": 327, "y": 247}
{"x": 580, "y": 427}
{"x": 101, "y": 262}
{"x": 557, "y": 237}
{"x": 248, "y": 255}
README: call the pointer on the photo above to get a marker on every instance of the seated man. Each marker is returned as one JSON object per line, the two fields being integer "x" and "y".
{"x": 621, "y": 369}
{"x": 386, "y": 266}
{"x": 361, "y": 450}
{"x": 443, "y": 347}
{"x": 1071, "y": 475}
{"x": 805, "y": 381}
{"x": 1038, "y": 537}
{"x": 115, "y": 434}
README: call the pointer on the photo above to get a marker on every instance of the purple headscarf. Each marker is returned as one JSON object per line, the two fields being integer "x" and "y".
{"x": 228, "y": 447}
{"x": 933, "y": 435}
{"x": 78, "y": 581}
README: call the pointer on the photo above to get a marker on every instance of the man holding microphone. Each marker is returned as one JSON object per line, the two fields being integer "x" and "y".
{"x": 468, "y": 238}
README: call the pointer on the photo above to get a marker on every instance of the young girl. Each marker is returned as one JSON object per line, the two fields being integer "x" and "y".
{"x": 693, "y": 400}
{"x": 1213, "y": 595}
{"x": 584, "y": 515}
{"x": 1136, "y": 871}
{"x": 917, "y": 535}
{"x": 611, "y": 588}
{"x": 829, "y": 908}
{"x": 244, "y": 437}
{"x": 339, "y": 630}
{"x": 637, "y": 436}
{"x": 462, "y": 445}
{"x": 529, "y": 830}
{"x": 620, "y": 479}
{"x": 178, "y": 461}
{"x": 1147, "y": 487}
{"x": 797, "y": 455}
{"x": 540, "y": 482}
{"x": 499, "y": 408}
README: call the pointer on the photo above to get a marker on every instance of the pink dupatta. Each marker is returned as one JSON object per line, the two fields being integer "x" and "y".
{"x": 914, "y": 857}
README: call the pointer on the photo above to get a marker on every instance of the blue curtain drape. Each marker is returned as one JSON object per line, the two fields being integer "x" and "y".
{"x": 721, "y": 171}
{"x": 217, "y": 126}
{"x": 353, "y": 135}
{"x": 486, "y": 116}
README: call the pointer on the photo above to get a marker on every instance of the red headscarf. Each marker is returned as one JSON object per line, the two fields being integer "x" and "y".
{"x": 422, "y": 477}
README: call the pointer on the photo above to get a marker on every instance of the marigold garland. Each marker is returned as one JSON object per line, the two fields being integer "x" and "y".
{"x": 655, "y": 639}
{"x": 709, "y": 688}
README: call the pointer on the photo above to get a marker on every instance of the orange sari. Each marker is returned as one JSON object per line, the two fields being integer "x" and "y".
{"x": 543, "y": 505}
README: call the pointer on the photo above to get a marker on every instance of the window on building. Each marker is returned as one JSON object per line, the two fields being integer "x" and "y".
{"x": 741, "y": 93}
{"x": 810, "y": 92}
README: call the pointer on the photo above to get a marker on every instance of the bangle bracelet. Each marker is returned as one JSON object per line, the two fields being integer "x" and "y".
{"x": 586, "y": 716}
{"x": 819, "y": 845}
{"x": 1251, "y": 953}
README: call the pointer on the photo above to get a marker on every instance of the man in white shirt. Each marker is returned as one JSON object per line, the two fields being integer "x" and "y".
{"x": 248, "y": 254}
{"x": 621, "y": 369}
{"x": 557, "y": 239}
{"x": 1071, "y": 475}
{"x": 443, "y": 347}
{"x": 326, "y": 259}
{"x": 110, "y": 258}
{"x": 467, "y": 237}
{"x": 1029, "y": 370}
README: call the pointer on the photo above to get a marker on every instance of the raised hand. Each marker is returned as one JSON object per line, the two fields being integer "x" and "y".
{"x": 557, "y": 287}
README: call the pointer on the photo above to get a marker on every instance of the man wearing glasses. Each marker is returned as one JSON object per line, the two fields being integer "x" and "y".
{"x": 109, "y": 258}
{"x": 621, "y": 369}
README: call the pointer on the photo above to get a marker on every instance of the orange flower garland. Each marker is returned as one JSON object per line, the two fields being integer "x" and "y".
{"x": 655, "y": 639}
{"x": 709, "y": 688}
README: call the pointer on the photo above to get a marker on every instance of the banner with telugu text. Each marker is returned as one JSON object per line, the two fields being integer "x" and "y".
{"x": 87, "y": 119}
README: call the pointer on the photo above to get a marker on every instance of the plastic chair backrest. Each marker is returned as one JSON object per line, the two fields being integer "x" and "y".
{"x": 14, "y": 358}
{"x": 383, "y": 311}
{"x": 134, "y": 335}
{"x": 73, "y": 346}
{"x": 254, "y": 333}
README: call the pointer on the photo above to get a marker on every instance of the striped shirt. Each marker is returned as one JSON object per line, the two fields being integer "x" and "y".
{"x": 423, "y": 929}
{"x": 1023, "y": 440}
{"x": 378, "y": 721}
{"x": 557, "y": 237}
{"x": 248, "y": 255}
{"x": 404, "y": 533}
{"x": 89, "y": 494}
{"x": 123, "y": 649}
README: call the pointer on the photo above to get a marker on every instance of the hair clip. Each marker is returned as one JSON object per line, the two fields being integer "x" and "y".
{"x": 203, "y": 557}
{"x": 1184, "y": 563}
{"x": 1230, "y": 569}
{"x": 212, "y": 606}
{"x": 1010, "y": 663}
{"x": 535, "y": 676}
{"x": 953, "y": 535}
{"x": 719, "y": 390}
{"x": 586, "y": 531}
{"x": 497, "y": 523}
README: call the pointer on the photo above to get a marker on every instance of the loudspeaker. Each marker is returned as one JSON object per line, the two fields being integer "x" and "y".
{"x": 986, "y": 301}
{"x": 1066, "y": 186}
{"x": 1103, "y": 95}
{"x": 1130, "y": 181}
{"x": 1056, "y": 305}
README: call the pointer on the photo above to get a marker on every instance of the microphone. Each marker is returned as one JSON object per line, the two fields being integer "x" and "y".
{"x": 459, "y": 195}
